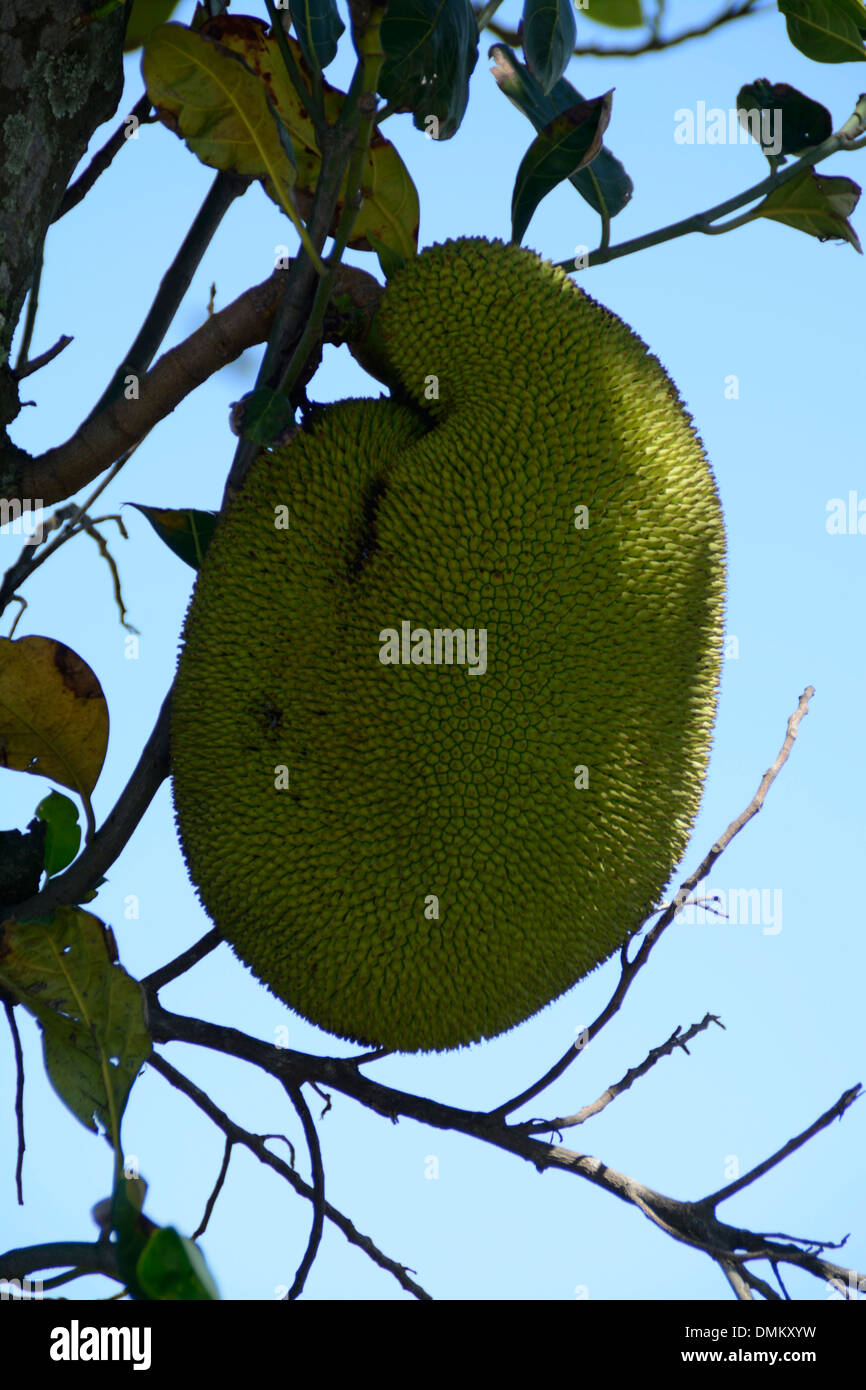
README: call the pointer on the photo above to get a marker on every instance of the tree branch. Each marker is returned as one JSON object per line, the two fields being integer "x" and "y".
{"x": 312, "y": 1138}
{"x": 52, "y": 476}
{"x": 225, "y": 188}
{"x": 676, "y": 1039}
{"x": 845, "y": 138}
{"x": 630, "y": 968}
{"x": 834, "y": 1113}
{"x": 256, "y": 1144}
{"x": 101, "y": 160}
{"x": 692, "y": 1223}
{"x": 654, "y": 44}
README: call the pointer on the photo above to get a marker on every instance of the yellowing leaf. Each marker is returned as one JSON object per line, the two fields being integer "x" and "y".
{"x": 203, "y": 90}
{"x": 53, "y": 715}
{"x": 390, "y": 208}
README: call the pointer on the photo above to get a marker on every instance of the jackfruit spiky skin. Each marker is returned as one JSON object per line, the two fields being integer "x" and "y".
{"x": 406, "y": 781}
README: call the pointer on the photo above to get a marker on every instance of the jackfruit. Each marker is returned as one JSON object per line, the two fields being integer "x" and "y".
{"x": 439, "y": 741}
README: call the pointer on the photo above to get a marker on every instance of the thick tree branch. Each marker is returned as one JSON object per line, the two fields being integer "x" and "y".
{"x": 61, "y": 471}
{"x": 223, "y": 191}
{"x": 88, "y": 1257}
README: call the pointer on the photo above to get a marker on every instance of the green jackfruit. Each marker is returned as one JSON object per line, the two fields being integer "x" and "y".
{"x": 419, "y": 852}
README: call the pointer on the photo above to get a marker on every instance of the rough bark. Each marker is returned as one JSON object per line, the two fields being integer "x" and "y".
{"x": 61, "y": 76}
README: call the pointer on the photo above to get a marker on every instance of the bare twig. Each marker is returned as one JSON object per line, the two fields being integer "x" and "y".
{"x": 217, "y": 1189}
{"x": 654, "y": 44}
{"x": 318, "y": 1172}
{"x": 19, "y": 1097}
{"x": 630, "y": 968}
{"x": 693, "y": 1223}
{"x": 183, "y": 962}
{"x": 256, "y": 1144}
{"x": 834, "y": 1113}
{"x": 677, "y": 1039}
{"x": 35, "y": 363}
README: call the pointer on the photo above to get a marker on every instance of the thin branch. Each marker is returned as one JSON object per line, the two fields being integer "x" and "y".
{"x": 692, "y": 1223}
{"x": 217, "y": 1189}
{"x": 256, "y": 1144}
{"x": 282, "y": 364}
{"x": 654, "y": 44}
{"x": 67, "y": 521}
{"x": 101, "y": 160}
{"x": 318, "y": 1172}
{"x": 35, "y": 363}
{"x": 183, "y": 962}
{"x": 225, "y": 188}
{"x": 677, "y": 1039}
{"x": 87, "y": 1257}
{"x": 310, "y": 97}
{"x": 737, "y": 1278}
{"x": 834, "y": 1113}
{"x": 19, "y": 1097}
{"x": 630, "y": 968}
{"x": 843, "y": 139}
{"x": 32, "y": 306}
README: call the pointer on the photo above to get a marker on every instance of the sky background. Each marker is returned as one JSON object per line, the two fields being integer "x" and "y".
{"x": 783, "y": 313}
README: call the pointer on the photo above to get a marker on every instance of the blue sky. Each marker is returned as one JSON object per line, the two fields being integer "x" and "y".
{"x": 781, "y": 312}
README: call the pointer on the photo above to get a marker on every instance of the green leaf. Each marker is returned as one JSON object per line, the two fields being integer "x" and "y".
{"x": 266, "y": 416}
{"x": 186, "y": 531}
{"x": 569, "y": 143}
{"x": 431, "y": 48}
{"x": 63, "y": 833}
{"x": 816, "y": 204}
{"x": 94, "y": 1033}
{"x": 145, "y": 16}
{"x": 828, "y": 31}
{"x": 171, "y": 1267}
{"x": 523, "y": 91}
{"x": 619, "y": 14}
{"x": 549, "y": 36}
{"x": 797, "y": 122}
{"x": 318, "y": 27}
{"x": 390, "y": 260}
